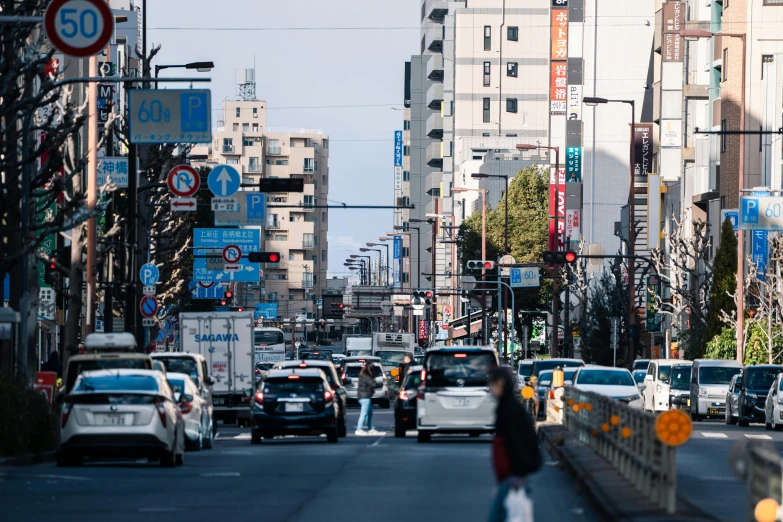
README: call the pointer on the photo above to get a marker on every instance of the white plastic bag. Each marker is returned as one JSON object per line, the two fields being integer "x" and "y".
{"x": 519, "y": 507}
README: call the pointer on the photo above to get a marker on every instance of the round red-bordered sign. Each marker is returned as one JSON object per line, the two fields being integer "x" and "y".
{"x": 183, "y": 181}
{"x": 76, "y": 22}
{"x": 229, "y": 252}
{"x": 148, "y": 306}
{"x": 206, "y": 284}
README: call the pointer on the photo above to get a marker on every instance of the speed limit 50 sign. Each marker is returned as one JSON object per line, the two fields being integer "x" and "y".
{"x": 79, "y": 28}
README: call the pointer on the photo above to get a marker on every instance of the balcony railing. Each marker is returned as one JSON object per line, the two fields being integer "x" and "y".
{"x": 273, "y": 150}
{"x": 228, "y": 148}
{"x": 254, "y": 167}
{"x": 308, "y": 244}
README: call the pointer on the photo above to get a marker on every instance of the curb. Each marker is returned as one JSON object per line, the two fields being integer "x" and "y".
{"x": 29, "y": 460}
{"x": 602, "y": 499}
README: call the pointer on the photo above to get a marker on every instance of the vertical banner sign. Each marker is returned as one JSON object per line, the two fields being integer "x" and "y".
{"x": 573, "y": 164}
{"x": 558, "y": 81}
{"x": 398, "y": 148}
{"x": 558, "y": 87}
{"x": 43, "y": 214}
{"x": 643, "y": 151}
{"x": 760, "y": 247}
{"x": 653, "y": 289}
{"x": 573, "y": 227}
{"x": 557, "y": 211}
{"x": 397, "y": 267}
{"x": 575, "y": 102}
{"x": 397, "y": 177}
{"x": 559, "y": 34}
{"x": 672, "y": 24}
{"x": 423, "y": 329}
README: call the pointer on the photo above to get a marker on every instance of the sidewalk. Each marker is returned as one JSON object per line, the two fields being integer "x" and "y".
{"x": 612, "y": 496}
{"x": 28, "y": 460}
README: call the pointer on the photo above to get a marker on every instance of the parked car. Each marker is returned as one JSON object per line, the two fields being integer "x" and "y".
{"x": 335, "y": 383}
{"x": 710, "y": 380}
{"x": 524, "y": 371}
{"x": 656, "y": 393}
{"x": 641, "y": 364}
{"x": 121, "y": 413}
{"x": 638, "y": 378}
{"x": 773, "y": 407}
{"x": 679, "y": 390}
{"x": 454, "y": 396}
{"x": 615, "y": 383}
{"x": 539, "y": 365}
{"x": 194, "y": 365}
{"x": 353, "y": 366}
{"x": 195, "y": 411}
{"x": 754, "y": 388}
{"x": 295, "y": 401}
{"x": 544, "y": 385}
{"x": 732, "y": 399}
{"x": 405, "y": 403}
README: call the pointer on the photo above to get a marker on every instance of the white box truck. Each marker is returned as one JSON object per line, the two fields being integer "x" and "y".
{"x": 356, "y": 345}
{"x": 225, "y": 339}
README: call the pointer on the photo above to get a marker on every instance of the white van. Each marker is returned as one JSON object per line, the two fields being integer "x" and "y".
{"x": 657, "y": 384}
{"x": 710, "y": 380}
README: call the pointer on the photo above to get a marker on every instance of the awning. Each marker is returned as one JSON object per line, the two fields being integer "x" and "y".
{"x": 455, "y": 333}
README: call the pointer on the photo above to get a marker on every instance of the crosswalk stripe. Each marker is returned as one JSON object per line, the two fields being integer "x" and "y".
{"x": 762, "y": 436}
{"x": 714, "y": 435}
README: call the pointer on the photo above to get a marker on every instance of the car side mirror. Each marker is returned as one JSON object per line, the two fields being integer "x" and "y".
{"x": 347, "y": 380}
{"x": 211, "y": 381}
{"x": 184, "y": 397}
{"x": 642, "y": 387}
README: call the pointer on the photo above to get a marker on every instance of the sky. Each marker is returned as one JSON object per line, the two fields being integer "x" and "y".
{"x": 362, "y": 70}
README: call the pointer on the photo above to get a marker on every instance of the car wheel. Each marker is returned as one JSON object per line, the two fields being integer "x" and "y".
{"x": 180, "y": 459}
{"x": 209, "y": 438}
{"x": 68, "y": 460}
{"x": 776, "y": 426}
{"x": 743, "y": 422}
{"x": 399, "y": 429}
{"x": 255, "y": 438}
{"x": 423, "y": 436}
{"x": 332, "y": 435}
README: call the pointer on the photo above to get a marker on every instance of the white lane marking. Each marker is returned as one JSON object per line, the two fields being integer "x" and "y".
{"x": 377, "y": 442}
{"x": 160, "y": 509}
{"x": 714, "y": 435}
{"x": 762, "y": 436}
{"x": 54, "y": 477}
{"x": 242, "y": 436}
{"x": 222, "y": 474}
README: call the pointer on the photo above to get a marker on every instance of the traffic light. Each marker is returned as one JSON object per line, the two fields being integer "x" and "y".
{"x": 480, "y": 265}
{"x": 336, "y": 310}
{"x": 560, "y": 258}
{"x": 264, "y": 257}
{"x": 425, "y": 295}
{"x": 223, "y": 302}
{"x": 57, "y": 265}
{"x": 228, "y": 294}
{"x": 237, "y": 309}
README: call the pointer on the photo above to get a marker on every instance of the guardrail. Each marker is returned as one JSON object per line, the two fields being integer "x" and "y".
{"x": 765, "y": 480}
{"x": 627, "y": 438}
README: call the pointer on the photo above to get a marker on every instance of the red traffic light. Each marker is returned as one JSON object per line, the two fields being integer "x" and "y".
{"x": 229, "y": 295}
{"x": 570, "y": 256}
{"x": 488, "y": 264}
{"x": 428, "y": 294}
{"x": 52, "y": 264}
{"x": 240, "y": 309}
{"x": 274, "y": 257}
{"x": 341, "y": 306}
{"x": 222, "y": 302}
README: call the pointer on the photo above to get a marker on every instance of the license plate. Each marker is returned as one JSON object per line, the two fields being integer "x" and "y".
{"x": 712, "y": 411}
{"x": 218, "y": 402}
{"x": 461, "y": 402}
{"x": 294, "y": 406}
{"x": 111, "y": 420}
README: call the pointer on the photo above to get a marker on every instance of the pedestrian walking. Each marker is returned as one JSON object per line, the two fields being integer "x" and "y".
{"x": 53, "y": 364}
{"x": 515, "y": 451}
{"x": 366, "y": 389}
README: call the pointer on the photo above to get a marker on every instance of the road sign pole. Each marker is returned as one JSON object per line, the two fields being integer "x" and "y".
{"x": 131, "y": 308}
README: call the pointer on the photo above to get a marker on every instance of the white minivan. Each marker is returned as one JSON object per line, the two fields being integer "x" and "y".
{"x": 657, "y": 384}
{"x": 710, "y": 380}
{"x": 454, "y": 394}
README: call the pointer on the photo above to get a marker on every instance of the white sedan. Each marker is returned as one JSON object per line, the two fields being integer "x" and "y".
{"x": 615, "y": 383}
{"x": 774, "y": 406}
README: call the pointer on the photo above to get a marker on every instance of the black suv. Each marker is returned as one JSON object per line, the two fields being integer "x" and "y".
{"x": 332, "y": 377}
{"x": 405, "y": 403}
{"x": 756, "y": 382}
{"x": 295, "y": 401}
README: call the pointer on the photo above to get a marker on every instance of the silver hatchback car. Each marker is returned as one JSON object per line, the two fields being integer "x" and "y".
{"x": 121, "y": 414}
{"x": 353, "y": 366}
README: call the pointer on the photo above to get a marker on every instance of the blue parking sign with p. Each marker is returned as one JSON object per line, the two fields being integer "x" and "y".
{"x": 750, "y": 210}
{"x": 194, "y": 113}
{"x": 256, "y": 205}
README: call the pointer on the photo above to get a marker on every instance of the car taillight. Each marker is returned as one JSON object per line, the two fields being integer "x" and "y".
{"x": 186, "y": 407}
{"x": 423, "y": 376}
{"x": 245, "y": 400}
{"x": 260, "y": 397}
{"x": 161, "y": 407}
{"x": 460, "y": 355}
{"x": 67, "y": 409}
{"x": 328, "y": 396}
{"x": 293, "y": 376}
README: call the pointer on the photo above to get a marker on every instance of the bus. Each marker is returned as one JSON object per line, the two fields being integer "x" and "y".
{"x": 268, "y": 346}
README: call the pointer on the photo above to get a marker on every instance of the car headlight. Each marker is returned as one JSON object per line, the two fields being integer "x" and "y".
{"x": 702, "y": 392}
{"x": 780, "y": 402}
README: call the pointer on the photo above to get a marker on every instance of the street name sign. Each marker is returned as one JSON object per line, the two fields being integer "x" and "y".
{"x": 207, "y": 240}
{"x": 79, "y": 28}
{"x": 170, "y": 115}
{"x": 251, "y": 211}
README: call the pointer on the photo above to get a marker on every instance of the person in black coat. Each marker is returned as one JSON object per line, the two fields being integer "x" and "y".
{"x": 515, "y": 451}
{"x": 53, "y": 364}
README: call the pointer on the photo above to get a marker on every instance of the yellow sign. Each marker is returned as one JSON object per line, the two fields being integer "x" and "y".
{"x": 673, "y": 427}
{"x": 527, "y": 392}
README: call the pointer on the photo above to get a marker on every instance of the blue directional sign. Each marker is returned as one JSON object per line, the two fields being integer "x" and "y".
{"x": 170, "y": 115}
{"x": 760, "y": 247}
{"x": 224, "y": 181}
{"x": 266, "y": 310}
{"x": 250, "y": 211}
{"x": 525, "y": 277}
{"x": 149, "y": 274}
{"x": 207, "y": 240}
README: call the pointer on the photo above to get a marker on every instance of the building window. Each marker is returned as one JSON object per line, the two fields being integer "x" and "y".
{"x": 254, "y": 165}
{"x": 485, "y": 135}
{"x": 406, "y": 125}
{"x": 513, "y": 33}
{"x": 406, "y": 175}
{"x": 773, "y": 2}
{"x": 406, "y": 150}
{"x": 245, "y": 127}
{"x": 486, "y": 110}
{"x": 323, "y": 255}
{"x": 326, "y": 144}
{"x": 255, "y": 127}
{"x": 487, "y": 70}
{"x": 248, "y": 142}
{"x": 309, "y": 165}
{"x": 487, "y": 38}
{"x": 765, "y": 59}
{"x": 237, "y": 112}
{"x": 273, "y": 147}
{"x": 511, "y": 69}
{"x": 725, "y": 66}
{"x": 235, "y": 127}
{"x": 232, "y": 161}
{"x": 511, "y": 105}
{"x": 255, "y": 112}
{"x": 309, "y": 201}
{"x": 291, "y": 297}
{"x": 723, "y": 136}
{"x": 722, "y": 202}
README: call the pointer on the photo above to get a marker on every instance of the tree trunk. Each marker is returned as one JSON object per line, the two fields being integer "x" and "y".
{"x": 74, "y": 301}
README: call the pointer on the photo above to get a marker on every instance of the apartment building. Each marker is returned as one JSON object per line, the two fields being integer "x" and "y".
{"x": 296, "y": 226}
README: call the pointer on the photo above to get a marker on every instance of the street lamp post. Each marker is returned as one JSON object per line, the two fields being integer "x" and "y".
{"x": 506, "y": 247}
{"x": 483, "y": 252}
{"x": 418, "y": 250}
{"x": 631, "y": 222}
{"x": 692, "y": 34}
{"x": 386, "y": 266}
{"x": 381, "y": 280}
{"x": 199, "y": 66}
{"x": 369, "y": 266}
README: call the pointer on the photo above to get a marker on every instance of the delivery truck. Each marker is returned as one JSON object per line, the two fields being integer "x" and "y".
{"x": 226, "y": 340}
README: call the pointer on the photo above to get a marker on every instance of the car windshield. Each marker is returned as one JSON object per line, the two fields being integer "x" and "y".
{"x": 664, "y": 373}
{"x": 268, "y": 337}
{"x": 177, "y": 385}
{"x": 605, "y": 378}
{"x": 184, "y": 365}
{"x": 264, "y": 366}
{"x": 545, "y": 378}
{"x": 390, "y": 358}
{"x": 353, "y": 371}
{"x": 77, "y": 368}
{"x": 318, "y": 356}
{"x": 116, "y": 382}
{"x": 551, "y": 364}
{"x": 681, "y": 377}
{"x": 762, "y": 378}
{"x": 641, "y": 365}
{"x": 525, "y": 369}
{"x": 717, "y": 374}
{"x": 459, "y": 369}
{"x": 638, "y": 376}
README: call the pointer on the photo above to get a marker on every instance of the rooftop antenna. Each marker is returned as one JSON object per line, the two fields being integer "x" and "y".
{"x": 246, "y": 84}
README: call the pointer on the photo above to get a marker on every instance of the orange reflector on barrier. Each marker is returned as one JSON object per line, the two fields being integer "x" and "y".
{"x": 767, "y": 510}
{"x": 673, "y": 427}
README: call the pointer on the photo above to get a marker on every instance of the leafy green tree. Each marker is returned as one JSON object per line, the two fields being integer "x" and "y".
{"x": 724, "y": 282}
{"x": 723, "y": 345}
